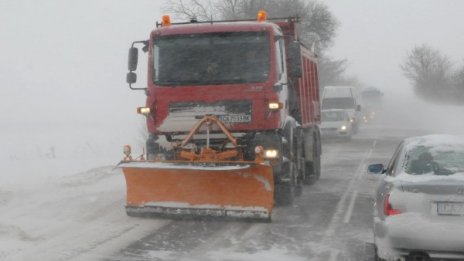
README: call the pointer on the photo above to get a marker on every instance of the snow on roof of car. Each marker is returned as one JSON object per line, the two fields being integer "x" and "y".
{"x": 436, "y": 142}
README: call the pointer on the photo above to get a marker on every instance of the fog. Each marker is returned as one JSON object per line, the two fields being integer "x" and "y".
{"x": 404, "y": 111}
{"x": 374, "y": 36}
{"x": 66, "y": 111}
{"x": 63, "y": 77}
{"x": 64, "y": 62}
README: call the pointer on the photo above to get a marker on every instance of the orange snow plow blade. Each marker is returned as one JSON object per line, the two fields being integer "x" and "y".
{"x": 232, "y": 189}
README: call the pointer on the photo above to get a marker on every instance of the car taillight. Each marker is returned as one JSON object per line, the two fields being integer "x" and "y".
{"x": 388, "y": 210}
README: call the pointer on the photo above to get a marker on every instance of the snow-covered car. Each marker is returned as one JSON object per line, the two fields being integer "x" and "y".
{"x": 336, "y": 123}
{"x": 419, "y": 203}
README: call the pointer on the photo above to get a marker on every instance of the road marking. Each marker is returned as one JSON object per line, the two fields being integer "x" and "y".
{"x": 363, "y": 166}
{"x": 349, "y": 212}
{"x": 342, "y": 203}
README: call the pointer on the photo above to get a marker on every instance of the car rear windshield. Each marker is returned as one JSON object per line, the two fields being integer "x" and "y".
{"x": 442, "y": 160}
{"x": 212, "y": 58}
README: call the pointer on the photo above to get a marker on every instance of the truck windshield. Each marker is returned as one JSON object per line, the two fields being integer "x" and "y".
{"x": 213, "y": 58}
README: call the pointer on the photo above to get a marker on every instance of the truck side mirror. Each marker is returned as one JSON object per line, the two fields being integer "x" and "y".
{"x": 133, "y": 59}
{"x": 358, "y": 107}
{"x": 131, "y": 77}
{"x": 294, "y": 52}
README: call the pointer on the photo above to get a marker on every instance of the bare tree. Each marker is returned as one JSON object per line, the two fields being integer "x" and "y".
{"x": 201, "y": 9}
{"x": 458, "y": 85}
{"x": 429, "y": 71}
{"x": 318, "y": 25}
{"x": 333, "y": 72}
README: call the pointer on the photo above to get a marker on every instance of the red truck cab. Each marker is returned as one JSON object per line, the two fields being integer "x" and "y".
{"x": 254, "y": 76}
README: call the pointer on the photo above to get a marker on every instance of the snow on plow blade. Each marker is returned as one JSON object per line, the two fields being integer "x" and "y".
{"x": 242, "y": 190}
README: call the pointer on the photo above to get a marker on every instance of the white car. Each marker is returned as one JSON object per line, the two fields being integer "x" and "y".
{"x": 419, "y": 203}
{"x": 336, "y": 123}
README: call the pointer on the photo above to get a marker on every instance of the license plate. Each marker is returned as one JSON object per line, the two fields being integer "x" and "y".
{"x": 235, "y": 118}
{"x": 450, "y": 208}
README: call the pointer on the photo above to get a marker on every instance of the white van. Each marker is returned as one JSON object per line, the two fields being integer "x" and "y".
{"x": 345, "y": 98}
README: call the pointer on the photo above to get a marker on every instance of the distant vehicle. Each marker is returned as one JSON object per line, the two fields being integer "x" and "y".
{"x": 336, "y": 123}
{"x": 419, "y": 204}
{"x": 345, "y": 98}
{"x": 371, "y": 100}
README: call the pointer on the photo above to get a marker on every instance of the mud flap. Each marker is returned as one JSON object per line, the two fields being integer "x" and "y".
{"x": 199, "y": 189}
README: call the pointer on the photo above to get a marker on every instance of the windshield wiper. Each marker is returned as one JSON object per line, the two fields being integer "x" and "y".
{"x": 203, "y": 82}
{"x": 443, "y": 171}
{"x": 173, "y": 83}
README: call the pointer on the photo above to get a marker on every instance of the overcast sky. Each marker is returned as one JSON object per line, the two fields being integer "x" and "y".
{"x": 64, "y": 62}
{"x": 376, "y": 35}
{"x": 63, "y": 68}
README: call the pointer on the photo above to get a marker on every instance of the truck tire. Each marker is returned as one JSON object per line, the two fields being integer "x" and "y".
{"x": 286, "y": 190}
{"x": 284, "y": 194}
{"x": 153, "y": 149}
{"x": 313, "y": 168}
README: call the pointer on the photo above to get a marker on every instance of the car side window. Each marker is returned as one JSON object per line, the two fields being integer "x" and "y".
{"x": 393, "y": 164}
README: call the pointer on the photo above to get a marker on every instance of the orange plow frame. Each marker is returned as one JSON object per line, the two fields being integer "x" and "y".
{"x": 207, "y": 183}
{"x": 177, "y": 188}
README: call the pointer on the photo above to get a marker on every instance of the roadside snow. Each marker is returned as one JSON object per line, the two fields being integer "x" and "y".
{"x": 69, "y": 218}
{"x": 56, "y": 204}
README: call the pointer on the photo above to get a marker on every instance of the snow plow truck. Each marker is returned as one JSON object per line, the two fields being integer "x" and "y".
{"x": 233, "y": 116}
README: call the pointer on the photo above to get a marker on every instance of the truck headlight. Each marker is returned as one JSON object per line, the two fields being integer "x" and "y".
{"x": 271, "y": 154}
{"x": 275, "y": 105}
{"x": 343, "y": 128}
{"x": 143, "y": 110}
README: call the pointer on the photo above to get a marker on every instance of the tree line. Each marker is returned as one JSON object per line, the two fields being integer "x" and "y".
{"x": 433, "y": 75}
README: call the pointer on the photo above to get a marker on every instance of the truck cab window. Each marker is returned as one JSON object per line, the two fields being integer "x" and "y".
{"x": 156, "y": 63}
{"x": 212, "y": 58}
{"x": 280, "y": 58}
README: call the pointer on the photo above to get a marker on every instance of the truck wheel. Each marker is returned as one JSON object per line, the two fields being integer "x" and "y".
{"x": 286, "y": 190}
{"x": 152, "y": 150}
{"x": 313, "y": 168}
{"x": 284, "y": 193}
{"x": 297, "y": 181}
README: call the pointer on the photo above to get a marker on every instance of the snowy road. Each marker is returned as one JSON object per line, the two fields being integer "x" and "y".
{"x": 81, "y": 217}
{"x": 330, "y": 221}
